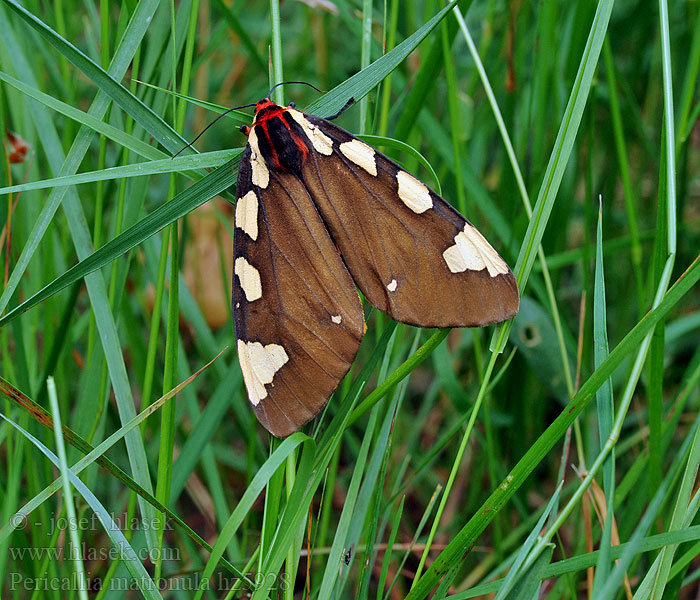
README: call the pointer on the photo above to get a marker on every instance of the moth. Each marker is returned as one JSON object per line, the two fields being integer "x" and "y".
{"x": 319, "y": 213}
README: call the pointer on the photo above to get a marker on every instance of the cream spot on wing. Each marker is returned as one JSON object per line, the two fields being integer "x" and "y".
{"x": 472, "y": 251}
{"x": 238, "y": 304}
{"x": 392, "y": 285}
{"x": 249, "y": 277}
{"x": 336, "y": 319}
{"x": 320, "y": 141}
{"x": 413, "y": 193}
{"x": 260, "y": 175}
{"x": 361, "y": 154}
{"x": 259, "y": 364}
{"x": 247, "y": 214}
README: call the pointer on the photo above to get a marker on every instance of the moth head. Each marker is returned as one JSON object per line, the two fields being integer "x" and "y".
{"x": 266, "y": 109}
{"x": 264, "y": 104}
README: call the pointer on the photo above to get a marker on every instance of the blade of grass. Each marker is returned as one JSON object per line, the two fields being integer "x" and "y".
{"x": 466, "y": 537}
{"x": 96, "y": 454}
{"x": 75, "y": 553}
{"x": 197, "y": 194}
{"x": 361, "y": 83}
{"x": 255, "y": 487}
{"x": 123, "y": 56}
{"x": 154, "y": 167}
{"x": 125, "y": 551}
{"x": 623, "y": 163}
{"x": 605, "y": 407}
{"x": 85, "y": 118}
{"x": 533, "y": 237}
{"x": 523, "y": 560}
{"x": 559, "y": 157}
{"x": 105, "y": 80}
{"x": 338, "y": 547}
{"x": 95, "y": 282}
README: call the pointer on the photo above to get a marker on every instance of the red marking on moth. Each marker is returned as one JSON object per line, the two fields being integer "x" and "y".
{"x": 271, "y": 111}
{"x": 263, "y": 105}
{"x": 303, "y": 148}
{"x": 263, "y": 124}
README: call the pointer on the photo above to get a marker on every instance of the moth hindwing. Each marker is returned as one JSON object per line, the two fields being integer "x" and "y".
{"x": 320, "y": 213}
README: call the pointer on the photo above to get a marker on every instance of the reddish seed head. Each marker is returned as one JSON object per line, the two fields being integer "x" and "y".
{"x": 18, "y": 146}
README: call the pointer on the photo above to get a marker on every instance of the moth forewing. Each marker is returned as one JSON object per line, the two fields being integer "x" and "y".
{"x": 320, "y": 213}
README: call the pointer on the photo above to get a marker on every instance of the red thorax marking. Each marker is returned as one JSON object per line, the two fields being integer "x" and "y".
{"x": 270, "y": 111}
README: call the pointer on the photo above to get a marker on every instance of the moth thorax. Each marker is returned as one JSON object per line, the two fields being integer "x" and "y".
{"x": 281, "y": 143}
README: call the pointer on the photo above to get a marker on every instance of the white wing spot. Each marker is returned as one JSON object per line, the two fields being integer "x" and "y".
{"x": 249, "y": 277}
{"x": 472, "y": 251}
{"x": 238, "y": 304}
{"x": 392, "y": 285}
{"x": 247, "y": 214}
{"x": 320, "y": 141}
{"x": 336, "y": 319}
{"x": 361, "y": 154}
{"x": 259, "y": 365}
{"x": 413, "y": 193}
{"x": 260, "y": 175}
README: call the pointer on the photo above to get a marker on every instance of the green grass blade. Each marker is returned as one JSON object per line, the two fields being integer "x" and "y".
{"x": 123, "y": 56}
{"x": 605, "y": 406}
{"x": 197, "y": 194}
{"x": 107, "y": 83}
{"x": 85, "y": 118}
{"x": 468, "y": 534}
{"x": 560, "y": 155}
{"x": 361, "y": 83}
{"x": 266, "y": 471}
{"x": 125, "y": 551}
{"x": 155, "y": 167}
{"x": 67, "y": 491}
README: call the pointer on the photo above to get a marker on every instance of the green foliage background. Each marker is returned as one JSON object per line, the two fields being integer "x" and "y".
{"x": 444, "y": 464}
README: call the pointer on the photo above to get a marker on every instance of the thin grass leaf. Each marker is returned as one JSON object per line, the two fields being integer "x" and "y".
{"x": 680, "y": 519}
{"x": 95, "y": 283}
{"x": 583, "y": 561}
{"x": 529, "y": 584}
{"x": 361, "y": 83}
{"x": 609, "y": 590}
{"x": 125, "y": 551}
{"x": 468, "y": 534}
{"x": 340, "y": 545}
{"x": 194, "y": 196}
{"x": 96, "y": 454}
{"x": 559, "y": 157}
{"x": 526, "y": 564}
{"x": 155, "y": 167}
{"x": 67, "y": 491}
{"x": 386, "y": 562}
{"x": 107, "y": 83}
{"x": 266, "y": 471}
{"x": 378, "y": 141}
{"x": 605, "y": 406}
{"x": 122, "y": 57}
{"x": 85, "y": 118}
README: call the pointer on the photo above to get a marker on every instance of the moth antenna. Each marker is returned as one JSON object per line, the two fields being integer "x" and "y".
{"x": 347, "y": 105}
{"x": 272, "y": 89}
{"x": 201, "y": 133}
